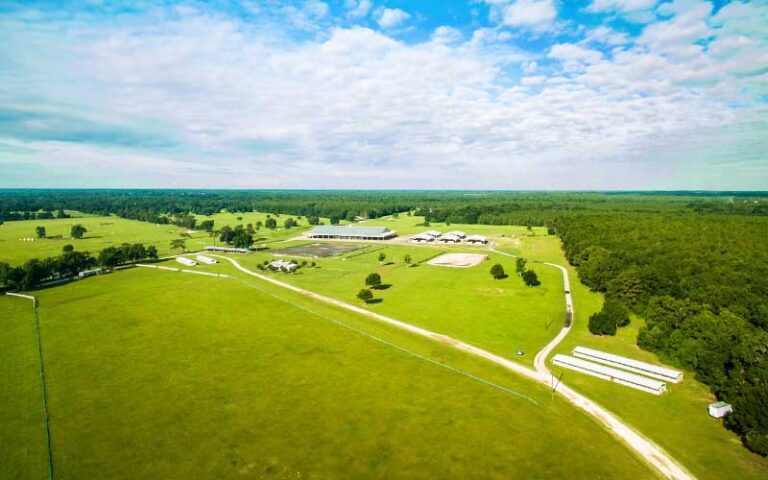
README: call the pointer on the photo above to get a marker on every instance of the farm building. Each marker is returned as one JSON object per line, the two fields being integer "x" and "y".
{"x": 226, "y": 249}
{"x": 449, "y": 238}
{"x": 457, "y": 233}
{"x": 204, "y": 259}
{"x": 351, "y": 233}
{"x": 624, "y": 363}
{"x": 186, "y": 261}
{"x": 432, "y": 233}
{"x": 89, "y": 273}
{"x": 283, "y": 265}
{"x": 477, "y": 239}
{"x": 719, "y": 409}
{"x": 611, "y": 374}
{"x": 422, "y": 238}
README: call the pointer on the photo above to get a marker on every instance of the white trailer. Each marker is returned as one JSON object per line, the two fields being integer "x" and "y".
{"x": 611, "y": 374}
{"x": 204, "y": 259}
{"x": 186, "y": 261}
{"x": 628, "y": 364}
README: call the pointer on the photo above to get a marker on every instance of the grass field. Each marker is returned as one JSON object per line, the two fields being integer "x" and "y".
{"x": 102, "y": 232}
{"x": 114, "y": 231}
{"x": 502, "y": 316}
{"x": 211, "y": 378}
{"x": 264, "y": 235}
{"x": 23, "y": 452}
{"x": 677, "y": 420}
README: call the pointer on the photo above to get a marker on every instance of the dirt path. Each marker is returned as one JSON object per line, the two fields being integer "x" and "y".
{"x": 648, "y": 450}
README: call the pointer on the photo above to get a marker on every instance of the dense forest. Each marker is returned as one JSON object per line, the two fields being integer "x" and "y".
{"x": 693, "y": 264}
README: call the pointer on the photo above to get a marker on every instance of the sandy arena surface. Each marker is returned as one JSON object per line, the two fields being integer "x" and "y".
{"x": 458, "y": 260}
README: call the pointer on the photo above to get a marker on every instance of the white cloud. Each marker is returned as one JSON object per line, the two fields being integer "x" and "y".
{"x": 316, "y": 8}
{"x": 528, "y": 13}
{"x": 621, "y": 5}
{"x": 391, "y": 17}
{"x": 354, "y": 107}
{"x": 446, "y": 34}
{"x": 357, "y": 9}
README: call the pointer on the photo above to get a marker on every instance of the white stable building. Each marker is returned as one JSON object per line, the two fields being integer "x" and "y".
{"x": 186, "y": 261}
{"x": 226, "y": 249}
{"x": 432, "y": 233}
{"x": 719, "y": 409}
{"x": 477, "y": 239}
{"x": 204, "y": 259}
{"x": 422, "y": 238}
{"x": 622, "y": 377}
{"x": 337, "y": 232}
{"x": 283, "y": 265}
{"x": 449, "y": 238}
{"x": 457, "y": 233}
{"x": 631, "y": 365}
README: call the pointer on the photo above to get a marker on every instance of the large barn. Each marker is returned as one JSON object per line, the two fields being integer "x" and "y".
{"x": 351, "y": 233}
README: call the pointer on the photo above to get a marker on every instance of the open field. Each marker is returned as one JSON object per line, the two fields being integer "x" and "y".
{"x": 220, "y": 380}
{"x": 264, "y": 234}
{"x": 22, "y": 420}
{"x": 102, "y": 232}
{"x": 410, "y": 225}
{"x": 677, "y": 420}
{"x": 502, "y": 316}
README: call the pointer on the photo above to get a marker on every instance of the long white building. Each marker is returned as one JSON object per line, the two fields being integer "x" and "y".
{"x": 186, "y": 261}
{"x": 204, "y": 259}
{"x": 635, "y": 366}
{"x": 622, "y": 377}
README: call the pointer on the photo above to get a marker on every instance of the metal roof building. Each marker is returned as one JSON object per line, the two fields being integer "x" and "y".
{"x": 226, "y": 249}
{"x": 719, "y": 409}
{"x": 636, "y": 366}
{"x": 611, "y": 374}
{"x": 351, "y": 233}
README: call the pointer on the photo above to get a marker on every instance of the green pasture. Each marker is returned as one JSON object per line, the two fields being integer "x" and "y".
{"x": 160, "y": 375}
{"x": 677, "y": 420}
{"x": 502, "y": 316}
{"x": 264, "y": 234}
{"x": 102, "y": 232}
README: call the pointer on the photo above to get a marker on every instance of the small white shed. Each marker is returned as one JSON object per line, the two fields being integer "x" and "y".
{"x": 719, "y": 409}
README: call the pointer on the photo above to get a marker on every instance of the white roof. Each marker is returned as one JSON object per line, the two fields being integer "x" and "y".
{"x": 612, "y": 374}
{"x": 208, "y": 260}
{"x": 449, "y": 237}
{"x": 186, "y": 261}
{"x": 479, "y": 238}
{"x": 422, "y": 236}
{"x": 432, "y": 233}
{"x": 282, "y": 263}
{"x": 629, "y": 364}
{"x": 458, "y": 233}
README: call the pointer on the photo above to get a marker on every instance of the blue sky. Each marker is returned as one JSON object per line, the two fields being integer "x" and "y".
{"x": 501, "y": 94}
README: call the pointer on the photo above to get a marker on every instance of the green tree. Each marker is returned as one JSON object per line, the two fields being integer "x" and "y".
{"x": 77, "y": 231}
{"x": 407, "y": 259}
{"x": 382, "y": 256}
{"x": 40, "y": 230}
{"x": 335, "y": 219}
{"x": 289, "y": 223}
{"x": 520, "y": 265}
{"x": 613, "y": 314}
{"x": 152, "y": 252}
{"x": 530, "y": 278}
{"x": 313, "y": 220}
{"x": 497, "y": 271}
{"x": 206, "y": 225}
{"x": 365, "y": 295}
{"x": 68, "y": 248}
{"x": 600, "y": 324}
{"x": 179, "y": 244}
{"x": 373, "y": 280}
{"x": 270, "y": 223}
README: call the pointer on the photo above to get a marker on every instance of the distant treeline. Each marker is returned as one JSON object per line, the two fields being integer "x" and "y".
{"x": 35, "y": 272}
{"x": 500, "y": 208}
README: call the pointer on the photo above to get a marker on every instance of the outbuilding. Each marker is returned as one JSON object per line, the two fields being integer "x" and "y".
{"x": 283, "y": 265}
{"x": 204, "y": 259}
{"x": 186, "y": 261}
{"x": 719, "y": 409}
{"x": 477, "y": 239}
{"x": 449, "y": 238}
{"x": 457, "y": 233}
{"x": 226, "y": 249}
{"x": 422, "y": 238}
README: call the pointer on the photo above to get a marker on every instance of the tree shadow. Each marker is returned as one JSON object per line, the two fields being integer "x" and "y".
{"x": 501, "y": 277}
{"x": 374, "y": 300}
{"x": 383, "y": 286}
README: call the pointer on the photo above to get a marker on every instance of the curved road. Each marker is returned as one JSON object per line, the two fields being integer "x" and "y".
{"x": 648, "y": 450}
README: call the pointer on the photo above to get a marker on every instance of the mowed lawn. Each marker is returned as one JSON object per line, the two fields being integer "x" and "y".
{"x": 102, "y": 232}
{"x": 503, "y": 316}
{"x": 160, "y": 375}
{"x": 678, "y": 420}
{"x": 263, "y": 235}
{"x": 23, "y": 452}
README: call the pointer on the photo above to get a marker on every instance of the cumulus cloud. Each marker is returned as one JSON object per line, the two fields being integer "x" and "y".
{"x": 621, "y": 5}
{"x": 391, "y": 17}
{"x": 199, "y": 98}
{"x": 357, "y": 9}
{"x": 534, "y": 14}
